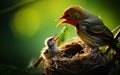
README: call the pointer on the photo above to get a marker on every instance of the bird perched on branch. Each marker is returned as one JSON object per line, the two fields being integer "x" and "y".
{"x": 48, "y": 52}
{"x": 90, "y": 28}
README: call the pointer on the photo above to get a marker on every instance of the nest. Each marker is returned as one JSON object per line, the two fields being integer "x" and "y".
{"x": 72, "y": 59}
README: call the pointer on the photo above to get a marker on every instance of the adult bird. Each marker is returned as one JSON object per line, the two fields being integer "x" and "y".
{"x": 47, "y": 52}
{"x": 90, "y": 28}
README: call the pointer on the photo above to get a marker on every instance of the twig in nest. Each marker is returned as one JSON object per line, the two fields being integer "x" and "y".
{"x": 69, "y": 60}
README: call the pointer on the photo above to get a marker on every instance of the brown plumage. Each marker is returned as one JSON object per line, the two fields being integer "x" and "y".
{"x": 90, "y": 28}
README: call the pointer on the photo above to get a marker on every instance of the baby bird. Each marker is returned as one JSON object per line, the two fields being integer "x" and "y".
{"x": 47, "y": 52}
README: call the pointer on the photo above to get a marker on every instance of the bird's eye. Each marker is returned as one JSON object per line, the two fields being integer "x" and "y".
{"x": 67, "y": 16}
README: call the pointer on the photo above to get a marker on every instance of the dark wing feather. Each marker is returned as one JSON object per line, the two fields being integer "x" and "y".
{"x": 100, "y": 29}
{"x": 96, "y": 28}
{"x": 102, "y": 32}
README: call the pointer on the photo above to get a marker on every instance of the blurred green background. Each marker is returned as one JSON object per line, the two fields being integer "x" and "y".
{"x": 25, "y": 24}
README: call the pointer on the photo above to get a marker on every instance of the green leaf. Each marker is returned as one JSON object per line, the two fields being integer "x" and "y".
{"x": 62, "y": 35}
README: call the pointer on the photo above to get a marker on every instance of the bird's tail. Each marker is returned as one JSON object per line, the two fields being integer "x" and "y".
{"x": 117, "y": 49}
{"x": 37, "y": 62}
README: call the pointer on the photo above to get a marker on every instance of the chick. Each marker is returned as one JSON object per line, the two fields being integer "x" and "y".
{"x": 47, "y": 52}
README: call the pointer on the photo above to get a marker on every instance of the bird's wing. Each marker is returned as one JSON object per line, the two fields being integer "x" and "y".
{"x": 96, "y": 28}
{"x": 37, "y": 62}
{"x": 44, "y": 50}
{"x": 99, "y": 29}
{"x": 40, "y": 58}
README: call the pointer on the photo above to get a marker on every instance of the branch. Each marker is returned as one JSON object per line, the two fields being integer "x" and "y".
{"x": 16, "y": 6}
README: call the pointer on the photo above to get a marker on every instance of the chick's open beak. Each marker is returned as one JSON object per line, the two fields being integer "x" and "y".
{"x": 55, "y": 38}
{"x": 63, "y": 21}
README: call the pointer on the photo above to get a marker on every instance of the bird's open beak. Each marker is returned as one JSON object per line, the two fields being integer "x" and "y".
{"x": 63, "y": 21}
{"x": 55, "y": 38}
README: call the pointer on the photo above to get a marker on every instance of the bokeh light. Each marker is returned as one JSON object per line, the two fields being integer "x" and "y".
{"x": 26, "y": 23}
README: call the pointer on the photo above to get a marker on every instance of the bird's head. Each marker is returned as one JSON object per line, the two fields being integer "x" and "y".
{"x": 51, "y": 41}
{"x": 72, "y": 15}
